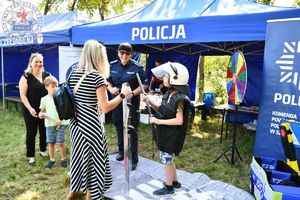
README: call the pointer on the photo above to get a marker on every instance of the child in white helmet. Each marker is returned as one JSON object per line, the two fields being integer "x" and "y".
{"x": 171, "y": 120}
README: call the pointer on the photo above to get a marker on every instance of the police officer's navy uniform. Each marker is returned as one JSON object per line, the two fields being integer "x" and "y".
{"x": 120, "y": 74}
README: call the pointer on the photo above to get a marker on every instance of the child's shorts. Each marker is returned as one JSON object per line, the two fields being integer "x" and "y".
{"x": 55, "y": 135}
{"x": 166, "y": 158}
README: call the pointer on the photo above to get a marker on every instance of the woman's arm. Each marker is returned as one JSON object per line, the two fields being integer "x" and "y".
{"x": 106, "y": 105}
{"x": 23, "y": 87}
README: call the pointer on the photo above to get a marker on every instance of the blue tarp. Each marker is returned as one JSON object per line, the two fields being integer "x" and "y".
{"x": 56, "y": 29}
{"x": 186, "y": 21}
{"x": 193, "y": 28}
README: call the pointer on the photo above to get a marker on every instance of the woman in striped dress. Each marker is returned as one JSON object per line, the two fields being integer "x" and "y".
{"x": 90, "y": 170}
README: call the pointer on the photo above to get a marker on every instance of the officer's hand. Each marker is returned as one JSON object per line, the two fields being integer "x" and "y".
{"x": 115, "y": 91}
{"x": 126, "y": 90}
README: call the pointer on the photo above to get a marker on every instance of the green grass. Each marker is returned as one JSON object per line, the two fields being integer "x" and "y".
{"x": 201, "y": 147}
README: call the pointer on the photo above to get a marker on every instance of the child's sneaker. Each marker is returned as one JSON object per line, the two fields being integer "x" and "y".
{"x": 63, "y": 163}
{"x": 176, "y": 185}
{"x": 50, "y": 164}
{"x": 163, "y": 192}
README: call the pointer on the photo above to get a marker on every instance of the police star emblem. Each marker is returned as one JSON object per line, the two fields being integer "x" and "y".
{"x": 22, "y": 22}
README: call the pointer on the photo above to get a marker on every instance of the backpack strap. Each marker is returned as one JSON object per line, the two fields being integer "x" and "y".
{"x": 78, "y": 84}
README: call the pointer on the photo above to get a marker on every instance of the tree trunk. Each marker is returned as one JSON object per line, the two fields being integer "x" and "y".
{"x": 101, "y": 12}
{"x": 46, "y": 9}
{"x": 72, "y": 7}
{"x": 200, "y": 82}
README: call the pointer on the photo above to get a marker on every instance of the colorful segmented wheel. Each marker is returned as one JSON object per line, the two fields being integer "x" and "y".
{"x": 236, "y": 78}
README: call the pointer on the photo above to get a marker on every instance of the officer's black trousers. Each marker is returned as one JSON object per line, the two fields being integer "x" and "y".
{"x": 32, "y": 124}
{"x": 118, "y": 122}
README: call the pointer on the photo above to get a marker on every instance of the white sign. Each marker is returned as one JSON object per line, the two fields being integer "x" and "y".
{"x": 68, "y": 58}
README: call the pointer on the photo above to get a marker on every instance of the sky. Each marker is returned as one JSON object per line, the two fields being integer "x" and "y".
{"x": 5, "y": 3}
{"x": 286, "y": 3}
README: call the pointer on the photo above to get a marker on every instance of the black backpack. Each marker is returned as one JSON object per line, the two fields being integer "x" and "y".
{"x": 64, "y": 101}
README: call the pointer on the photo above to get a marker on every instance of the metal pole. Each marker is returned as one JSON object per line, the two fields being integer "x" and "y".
{"x": 126, "y": 140}
{"x": 2, "y": 70}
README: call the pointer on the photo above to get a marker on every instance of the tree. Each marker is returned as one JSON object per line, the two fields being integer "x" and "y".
{"x": 47, "y": 5}
{"x": 268, "y": 2}
{"x": 104, "y": 8}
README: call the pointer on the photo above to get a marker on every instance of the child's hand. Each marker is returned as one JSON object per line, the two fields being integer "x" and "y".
{"x": 154, "y": 120}
{"x": 145, "y": 98}
{"x": 42, "y": 115}
{"x": 58, "y": 122}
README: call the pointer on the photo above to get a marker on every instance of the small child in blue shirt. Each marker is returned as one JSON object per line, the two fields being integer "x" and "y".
{"x": 55, "y": 128}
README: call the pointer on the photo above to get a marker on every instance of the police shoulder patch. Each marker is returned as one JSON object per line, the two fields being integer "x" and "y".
{"x": 113, "y": 62}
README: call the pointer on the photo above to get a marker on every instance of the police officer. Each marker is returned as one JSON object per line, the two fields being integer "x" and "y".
{"x": 123, "y": 70}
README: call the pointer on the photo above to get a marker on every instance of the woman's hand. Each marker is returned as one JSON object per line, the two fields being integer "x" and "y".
{"x": 33, "y": 112}
{"x": 154, "y": 120}
{"x": 126, "y": 90}
{"x": 115, "y": 91}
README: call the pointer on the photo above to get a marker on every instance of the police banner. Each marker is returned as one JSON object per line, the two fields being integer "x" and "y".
{"x": 281, "y": 90}
{"x": 68, "y": 58}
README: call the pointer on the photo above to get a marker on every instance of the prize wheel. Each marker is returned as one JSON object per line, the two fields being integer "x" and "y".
{"x": 236, "y": 78}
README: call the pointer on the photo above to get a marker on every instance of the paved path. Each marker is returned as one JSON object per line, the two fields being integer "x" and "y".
{"x": 149, "y": 176}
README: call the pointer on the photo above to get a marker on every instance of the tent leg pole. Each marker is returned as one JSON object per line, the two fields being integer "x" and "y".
{"x": 2, "y": 72}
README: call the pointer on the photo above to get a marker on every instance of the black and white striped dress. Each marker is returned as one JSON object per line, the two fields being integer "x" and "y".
{"x": 90, "y": 168}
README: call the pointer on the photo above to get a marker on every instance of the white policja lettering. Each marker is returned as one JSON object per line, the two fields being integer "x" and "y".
{"x": 159, "y": 32}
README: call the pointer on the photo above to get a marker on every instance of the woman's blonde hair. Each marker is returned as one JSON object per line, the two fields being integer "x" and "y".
{"x": 93, "y": 57}
{"x": 33, "y": 55}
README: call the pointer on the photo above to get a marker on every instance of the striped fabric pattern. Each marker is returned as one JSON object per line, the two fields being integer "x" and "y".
{"x": 90, "y": 168}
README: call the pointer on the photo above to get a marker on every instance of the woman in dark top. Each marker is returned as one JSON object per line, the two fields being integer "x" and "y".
{"x": 32, "y": 89}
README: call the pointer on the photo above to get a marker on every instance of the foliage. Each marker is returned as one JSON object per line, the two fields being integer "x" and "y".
{"x": 50, "y": 5}
{"x": 215, "y": 69}
{"x": 104, "y": 8}
{"x": 201, "y": 147}
{"x": 268, "y": 2}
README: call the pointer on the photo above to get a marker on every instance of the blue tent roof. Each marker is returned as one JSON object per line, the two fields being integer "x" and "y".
{"x": 186, "y": 21}
{"x": 56, "y": 29}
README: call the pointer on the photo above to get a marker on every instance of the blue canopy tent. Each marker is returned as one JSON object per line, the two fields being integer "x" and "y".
{"x": 192, "y": 28}
{"x": 55, "y": 31}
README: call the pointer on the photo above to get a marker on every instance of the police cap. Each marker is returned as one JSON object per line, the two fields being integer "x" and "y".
{"x": 125, "y": 46}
